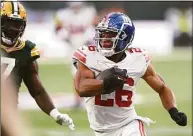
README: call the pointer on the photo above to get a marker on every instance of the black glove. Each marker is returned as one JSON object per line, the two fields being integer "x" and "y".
{"x": 119, "y": 72}
{"x": 112, "y": 83}
{"x": 113, "y": 79}
{"x": 112, "y": 71}
{"x": 179, "y": 117}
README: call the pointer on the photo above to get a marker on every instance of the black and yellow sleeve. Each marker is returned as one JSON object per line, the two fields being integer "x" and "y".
{"x": 34, "y": 51}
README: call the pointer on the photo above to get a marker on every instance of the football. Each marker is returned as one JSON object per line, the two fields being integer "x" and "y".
{"x": 104, "y": 74}
{"x": 111, "y": 71}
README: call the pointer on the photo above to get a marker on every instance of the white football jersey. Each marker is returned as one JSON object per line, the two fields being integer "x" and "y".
{"x": 114, "y": 110}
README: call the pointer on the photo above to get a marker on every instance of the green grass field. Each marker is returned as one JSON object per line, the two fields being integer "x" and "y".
{"x": 177, "y": 74}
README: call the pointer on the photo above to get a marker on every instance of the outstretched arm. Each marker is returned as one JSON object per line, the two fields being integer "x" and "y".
{"x": 38, "y": 92}
{"x": 36, "y": 89}
{"x": 156, "y": 82}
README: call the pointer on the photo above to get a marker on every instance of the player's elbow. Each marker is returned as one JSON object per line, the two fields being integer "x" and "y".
{"x": 80, "y": 90}
{"x": 84, "y": 91}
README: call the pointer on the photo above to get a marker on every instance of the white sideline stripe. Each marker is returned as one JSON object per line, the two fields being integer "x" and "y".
{"x": 67, "y": 100}
{"x": 26, "y": 102}
{"x": 150, "y": 132}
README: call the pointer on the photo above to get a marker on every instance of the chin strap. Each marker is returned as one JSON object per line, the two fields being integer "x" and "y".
{"x": 16, "y": 46}
{"x": 7, "y": 41}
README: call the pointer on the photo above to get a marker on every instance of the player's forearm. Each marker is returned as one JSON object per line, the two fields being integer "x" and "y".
{"x": 90, "y": 87}
{"x": 44, "y": 102}
{"x": 167, "y": 98}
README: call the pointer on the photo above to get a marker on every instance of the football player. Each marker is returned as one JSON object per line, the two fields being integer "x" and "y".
{"x": 72, "y": 27}
{"x": 107, "y": 75}
{"x": 18, "y": 59}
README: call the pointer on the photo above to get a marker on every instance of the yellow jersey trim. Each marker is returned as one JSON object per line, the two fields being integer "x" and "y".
{"x": 35, "y": 52}
{"x": 18, "y": 46}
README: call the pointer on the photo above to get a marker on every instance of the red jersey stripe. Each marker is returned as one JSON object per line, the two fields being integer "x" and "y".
{"x": 79, "y": 57}
{"x": 140, "y": 128}
{"x": 81, "y": 52}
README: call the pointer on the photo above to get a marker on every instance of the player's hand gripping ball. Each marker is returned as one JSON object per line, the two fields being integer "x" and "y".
{"x": 113, "y": 79}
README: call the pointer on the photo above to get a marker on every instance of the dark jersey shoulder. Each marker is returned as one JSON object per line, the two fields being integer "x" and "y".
{"x": 25, "y": 52}
{"x": 22, "y": 55}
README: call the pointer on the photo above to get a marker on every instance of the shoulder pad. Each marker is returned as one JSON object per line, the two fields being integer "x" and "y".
{"x": 35, "y": 52}
{"x": 141, "y": 51}
{"x": 33, "y": 49}
{"x": 146, "y": 55}
{"x": 142, "y": 60}
{"x": 82, "y": 52}
{"x": 30, "y": 44}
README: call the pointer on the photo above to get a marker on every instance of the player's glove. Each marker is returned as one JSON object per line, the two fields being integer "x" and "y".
{"x": 112, "y": 83}
{"x": 62, "y": 119}
{"x": 113, "y": 79}
{"x": 179, "y": 117}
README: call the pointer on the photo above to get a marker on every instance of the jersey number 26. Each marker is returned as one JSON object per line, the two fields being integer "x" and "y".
{"x": 119, "y": 94}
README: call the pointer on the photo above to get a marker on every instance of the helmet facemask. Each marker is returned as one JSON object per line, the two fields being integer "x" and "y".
{"x": 11, "y": 29}
{"x": 122, "y": 32}
{"x": 107, "y": 40}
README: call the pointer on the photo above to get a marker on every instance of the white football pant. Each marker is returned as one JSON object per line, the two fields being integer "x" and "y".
{"x": 134, "y": 128}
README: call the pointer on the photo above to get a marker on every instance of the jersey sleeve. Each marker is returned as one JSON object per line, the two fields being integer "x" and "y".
{"x": 146, "y": 58}
{"x": 141, "y": 60}
{"x": 80, "y": 55}
{"x": 33, "y": 50}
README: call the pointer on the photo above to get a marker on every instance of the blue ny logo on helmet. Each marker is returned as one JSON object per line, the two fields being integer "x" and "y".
{"x": 124, "y": 28}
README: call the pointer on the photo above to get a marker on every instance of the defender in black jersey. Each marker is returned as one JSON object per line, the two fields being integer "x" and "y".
{"x": 18, "y": 59}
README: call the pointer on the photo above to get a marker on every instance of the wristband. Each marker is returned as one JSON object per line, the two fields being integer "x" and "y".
{"x": 54, "y": 113}
{"x": 172, "y": 110}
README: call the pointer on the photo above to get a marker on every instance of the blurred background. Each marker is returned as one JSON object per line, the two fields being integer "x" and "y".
{"x": 164, "y": 29}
